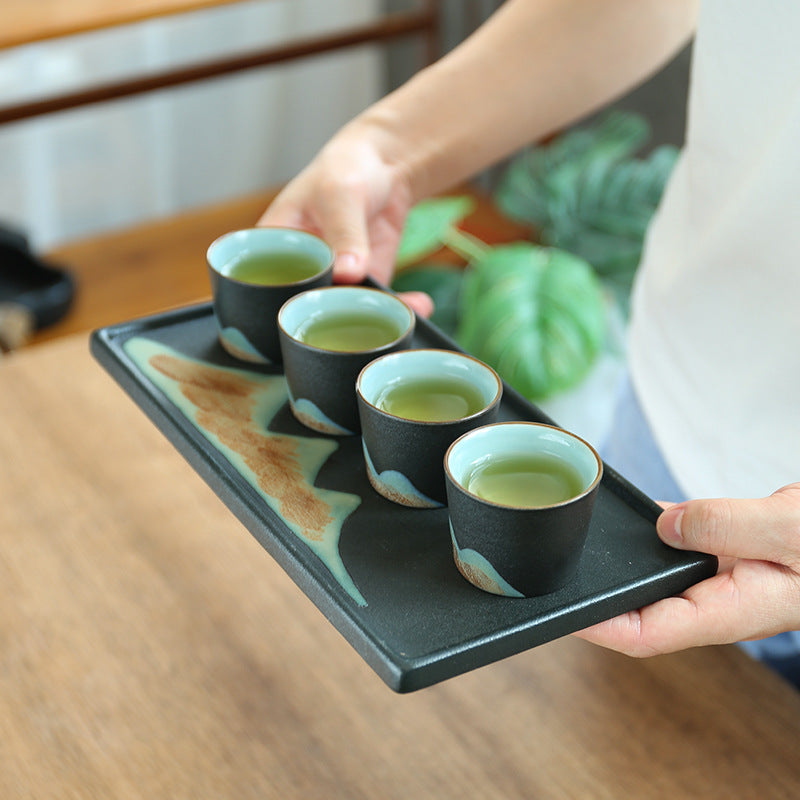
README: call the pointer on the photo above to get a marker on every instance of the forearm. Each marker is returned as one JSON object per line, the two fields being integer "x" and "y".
{"x": 534, "y": 67}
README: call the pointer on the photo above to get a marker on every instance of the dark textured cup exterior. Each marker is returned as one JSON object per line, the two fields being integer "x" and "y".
{"x": 322, "y": 383}
{"x": 404, "y": 457}
{"x": 247, "y": 312}
{"x": 513, "y": 551}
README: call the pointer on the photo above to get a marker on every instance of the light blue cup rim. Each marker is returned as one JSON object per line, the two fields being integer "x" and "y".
{"x": 223, "y": 249}
{"x": 518, "y": 438}
{"x": 303, "y": 307}
{"x": 427, "y": 362}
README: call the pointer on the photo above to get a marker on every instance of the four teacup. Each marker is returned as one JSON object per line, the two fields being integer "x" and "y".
{"x": 519, "y": 494}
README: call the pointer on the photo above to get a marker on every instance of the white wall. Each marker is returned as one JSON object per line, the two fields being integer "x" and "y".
{"x": 80, "y": 172}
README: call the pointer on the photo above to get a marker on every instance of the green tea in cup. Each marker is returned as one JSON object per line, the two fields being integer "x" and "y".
{"x": 520, "y": 497}
{"x": 431, "y": 398}
{"x": 350, "y": 331}
{"x": 273, "y": 268}
{"x": 525, "y": 480}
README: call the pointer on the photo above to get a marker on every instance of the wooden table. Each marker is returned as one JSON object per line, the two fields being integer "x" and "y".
{"x": 150, "y": 648}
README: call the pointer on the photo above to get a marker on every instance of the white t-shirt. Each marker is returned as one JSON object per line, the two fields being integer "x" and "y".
{"x": 715, "y": 331}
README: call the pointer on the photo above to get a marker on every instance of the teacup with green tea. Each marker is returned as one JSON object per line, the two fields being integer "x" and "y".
{"x": 412, "y": 405}
{"x": 253, "y": 272}
{"x": 520, "y": 499}
{"x": 327, "y": 336}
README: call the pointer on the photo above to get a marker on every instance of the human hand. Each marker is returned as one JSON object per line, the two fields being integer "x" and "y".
{"x": 755, "y": 593}
{"x": 356, "y": 201}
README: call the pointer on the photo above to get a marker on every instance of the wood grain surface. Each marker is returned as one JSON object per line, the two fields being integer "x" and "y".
{"x": 26, "y": 21}
{"x": 150, "y": 648}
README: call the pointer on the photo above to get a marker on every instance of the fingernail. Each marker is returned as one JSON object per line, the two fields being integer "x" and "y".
{"x": 419, "y": 302}
{"x": 669, "y": 525}
{"x": 347, "y": 265}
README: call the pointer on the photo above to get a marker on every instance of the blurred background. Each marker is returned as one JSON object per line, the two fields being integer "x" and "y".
{"x": 105, "y": 166}
{"x": 75, "y": 173}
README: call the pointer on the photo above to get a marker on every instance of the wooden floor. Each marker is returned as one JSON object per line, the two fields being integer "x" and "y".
{"x": 160, "y": 265}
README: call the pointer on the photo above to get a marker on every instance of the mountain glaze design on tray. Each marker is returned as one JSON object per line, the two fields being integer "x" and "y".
{"x": 233, "y": 409}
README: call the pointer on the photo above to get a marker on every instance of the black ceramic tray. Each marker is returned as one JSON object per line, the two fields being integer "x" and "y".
{"x": 382, "y": 574}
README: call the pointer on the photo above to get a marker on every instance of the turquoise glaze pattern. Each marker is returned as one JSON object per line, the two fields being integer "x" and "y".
{"x": 395, "y": 486}
{"x": 233, "y": 409}
{"x": 237, "y": 344}
{"x": 478, "y": 571}
{"x": 312, "y": 417}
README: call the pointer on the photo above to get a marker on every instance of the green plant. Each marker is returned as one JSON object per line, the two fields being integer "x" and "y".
{"x": 536, "y": 312}
{"x": 586, "y": 193}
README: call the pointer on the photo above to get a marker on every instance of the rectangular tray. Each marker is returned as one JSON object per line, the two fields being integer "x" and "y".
{"x": 382, "y": 574}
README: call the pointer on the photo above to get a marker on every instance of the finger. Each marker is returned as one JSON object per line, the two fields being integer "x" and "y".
{"x": 342, "y": 221}
{"x": 419, "y": 302}
{"x": 338, "y": 227}
{"x": 386, "y": 232}
{"x": 664, "y": 627}
{"x": 756, "y": 600}
{"x": 767, "y": 528}
{"x": 349, "y": 268}
{"x": 282, "y": 213}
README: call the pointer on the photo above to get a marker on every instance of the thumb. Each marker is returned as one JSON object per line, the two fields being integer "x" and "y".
{"x": 764, "y": 529}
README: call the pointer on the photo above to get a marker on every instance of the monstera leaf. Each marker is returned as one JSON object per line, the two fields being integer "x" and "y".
{"x": 609, "y": 208}
{"x": 536, "y": 314}
{"x": 427, "y": 226}
{"x": 586, "y": 194}
{"x": 443, "y": 283}
{"x": 534, "y": 181}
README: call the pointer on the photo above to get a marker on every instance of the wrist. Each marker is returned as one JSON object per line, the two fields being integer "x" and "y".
{"x": 415, "y": 138}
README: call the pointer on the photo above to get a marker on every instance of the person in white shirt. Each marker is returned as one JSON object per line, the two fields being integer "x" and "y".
{"x": 710, "y": 414}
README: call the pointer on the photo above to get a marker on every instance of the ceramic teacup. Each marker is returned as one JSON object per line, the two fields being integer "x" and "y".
{"x": 412, "y": 405}
{"x": 253, "y": 272}
{"x": 327, "y": 336}
{"x": 520, "y": 498}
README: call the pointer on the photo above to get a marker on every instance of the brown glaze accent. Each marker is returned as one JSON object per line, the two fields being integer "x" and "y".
{"x": 475, "y": 576}
{"x": 151, "y": 650}
{"x": 225, "y": 406}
